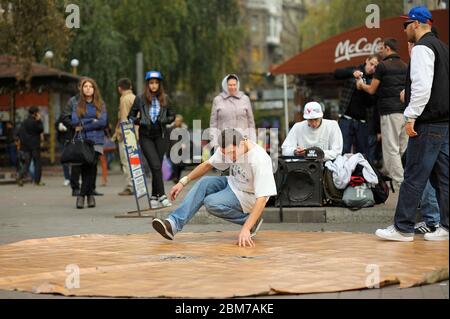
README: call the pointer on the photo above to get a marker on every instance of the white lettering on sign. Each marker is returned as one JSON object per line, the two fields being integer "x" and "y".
{"x": 346, "y": 50}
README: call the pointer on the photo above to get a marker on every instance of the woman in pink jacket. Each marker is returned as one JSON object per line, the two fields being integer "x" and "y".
{"x": 231, "y": 109}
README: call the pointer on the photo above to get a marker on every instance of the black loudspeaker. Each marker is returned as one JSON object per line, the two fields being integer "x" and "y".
{"x": 299, "y": 182}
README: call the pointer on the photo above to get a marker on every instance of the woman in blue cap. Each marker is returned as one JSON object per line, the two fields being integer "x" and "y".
{"x": 154, "y": 115}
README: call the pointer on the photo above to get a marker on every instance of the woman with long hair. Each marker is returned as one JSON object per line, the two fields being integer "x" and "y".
{"x": 154, "y": 115}
{"x": 88, "y": 118}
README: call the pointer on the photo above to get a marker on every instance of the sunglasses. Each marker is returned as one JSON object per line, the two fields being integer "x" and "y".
{"x": 407, "y": 23}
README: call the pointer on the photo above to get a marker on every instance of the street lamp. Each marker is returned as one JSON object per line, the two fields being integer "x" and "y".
{"x": 74, "y": 63}
{"x": 49, "y": 57}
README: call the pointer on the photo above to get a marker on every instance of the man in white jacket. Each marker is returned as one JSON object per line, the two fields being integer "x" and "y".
{"x": 314, "y": 131}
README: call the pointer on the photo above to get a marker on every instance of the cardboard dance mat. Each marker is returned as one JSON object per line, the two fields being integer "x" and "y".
{"x": 210, "y": 265}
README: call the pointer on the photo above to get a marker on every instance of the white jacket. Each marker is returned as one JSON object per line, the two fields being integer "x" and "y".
{"x": 343, "y": 167}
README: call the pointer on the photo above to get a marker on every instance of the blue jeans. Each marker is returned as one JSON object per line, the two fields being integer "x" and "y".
{"x": 354, "y": 132}
{"x": 429, "y": 206}
{"x": 218, "y": 198}
{"x": 66, "y": 168}
{"x": 427, "y": 158}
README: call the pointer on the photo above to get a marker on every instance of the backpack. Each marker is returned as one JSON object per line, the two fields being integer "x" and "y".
{"x": 357, "y": 197}
{"x": 333, "y": 196}
{"x": 381, "y": 190}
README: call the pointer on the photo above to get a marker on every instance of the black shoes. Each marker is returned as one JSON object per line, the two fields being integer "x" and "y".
{"x": 163, "y": 227}
{"x": 95, "y": 193}
{"x": 80, "y": 202}
{"x": 91, "y": 201}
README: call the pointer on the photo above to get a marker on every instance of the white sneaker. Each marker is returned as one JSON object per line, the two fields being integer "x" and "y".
{"x": 390, "y": 233}
{"x": 154, "y": 203}
{"x": 66, "y": 182}
{"x": 164, "y": 202}
{"x": 439, "y": 234}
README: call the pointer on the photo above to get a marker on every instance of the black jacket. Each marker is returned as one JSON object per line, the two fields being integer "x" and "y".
{"x": 392, "y": 75}
{"x": 166, "y": 116}
{"x": 30, "y": 134}
{"x": 437, "y": 108}
{"x": 353, "y": 102}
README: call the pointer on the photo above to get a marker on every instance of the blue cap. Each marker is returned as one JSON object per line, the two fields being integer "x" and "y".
{"x": 153, "y": 75}
{"x": 421, "y": 14}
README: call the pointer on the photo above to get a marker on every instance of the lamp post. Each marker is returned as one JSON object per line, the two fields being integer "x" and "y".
{"x": 51, "y": 116}
{"x": 74, "y": 64}
{"x": 49, "y": 57}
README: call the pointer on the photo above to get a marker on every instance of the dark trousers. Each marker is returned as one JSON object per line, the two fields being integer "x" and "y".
{"x": 88, "y": 177}
{"x": 154, "y": 148}
{"x": 427, "y": 158}
{"x": 11, "y": 149}
{"x": 66, "y": 167}
{"x": 75, "y": 174}
{"x": 356, "y": 133}
{"x": 176, "y": 170}
{"x": 30, "y": 155}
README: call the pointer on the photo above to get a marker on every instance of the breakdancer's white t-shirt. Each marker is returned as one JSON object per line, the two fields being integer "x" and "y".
{"x": 251, "y": 176}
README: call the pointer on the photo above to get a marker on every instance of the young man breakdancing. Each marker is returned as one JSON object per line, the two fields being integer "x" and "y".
{"x": 239, "y": 198}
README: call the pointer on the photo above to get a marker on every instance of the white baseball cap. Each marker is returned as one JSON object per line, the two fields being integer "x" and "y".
{"x": 312, "y": 110}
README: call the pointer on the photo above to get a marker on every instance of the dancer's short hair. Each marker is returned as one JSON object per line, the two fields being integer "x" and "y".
{"x": 230, "y": 136}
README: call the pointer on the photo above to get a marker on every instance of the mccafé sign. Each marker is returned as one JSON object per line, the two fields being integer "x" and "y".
{"x": 346, "y": 50}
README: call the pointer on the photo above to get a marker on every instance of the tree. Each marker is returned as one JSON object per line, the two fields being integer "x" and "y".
{"x": 101, "y": 50}
{"x": 333, "y": 17}
{"x": 29, "y": 28}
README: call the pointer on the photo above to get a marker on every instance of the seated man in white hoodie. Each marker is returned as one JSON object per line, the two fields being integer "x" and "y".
{"x": 314, "y": 131}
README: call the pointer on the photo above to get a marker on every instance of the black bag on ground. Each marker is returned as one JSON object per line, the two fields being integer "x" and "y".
{"x": 78, "y": 152}
{"x": 333, "y": 195}
{"x": 381, "y": 190}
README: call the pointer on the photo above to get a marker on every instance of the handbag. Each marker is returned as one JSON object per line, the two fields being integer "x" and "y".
{"x": 78, "y": 152}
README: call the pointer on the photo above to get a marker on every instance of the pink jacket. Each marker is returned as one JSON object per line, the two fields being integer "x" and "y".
{"x": 230, "y": 111}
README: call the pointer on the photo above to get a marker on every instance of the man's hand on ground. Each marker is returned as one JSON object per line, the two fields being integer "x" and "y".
{"x": 245, "y": 238}
{"x": 175, "y": 191}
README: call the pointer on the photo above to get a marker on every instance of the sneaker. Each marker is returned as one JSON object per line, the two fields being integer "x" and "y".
{"x": 440, "y": 234}
{"x": 126, "y": 192}
{"x": 20, "y": 182}
{"x": 164, "y": 202}
{"x": 66, "y": 182}
{"x": 256, "y": 227}
{"x": 391, "y": 233}
{"x": 163, "y": 228}
{"x": 422, "y": 228}
{"x": 154, "y": 203}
